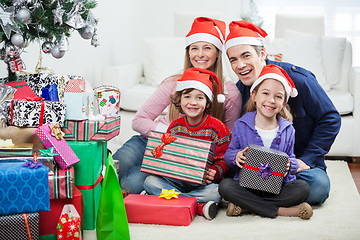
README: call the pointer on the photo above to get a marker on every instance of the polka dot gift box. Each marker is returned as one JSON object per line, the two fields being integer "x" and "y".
{"x": 264, "y": 169}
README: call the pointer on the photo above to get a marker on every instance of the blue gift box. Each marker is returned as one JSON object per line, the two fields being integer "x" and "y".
{"x": 22, "y": 189}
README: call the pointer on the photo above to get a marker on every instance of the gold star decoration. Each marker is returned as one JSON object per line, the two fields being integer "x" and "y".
{"x": 168, "y": 194}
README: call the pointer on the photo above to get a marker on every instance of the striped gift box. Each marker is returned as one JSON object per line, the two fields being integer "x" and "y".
{"x": 89, "y": 130}
{"x": 61, "y": 182}
{"x": 185, "y": 158}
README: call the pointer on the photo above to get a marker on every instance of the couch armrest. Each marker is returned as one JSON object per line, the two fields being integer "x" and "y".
{"x": 354, "y": 88}
{"x": 122, "y": 76}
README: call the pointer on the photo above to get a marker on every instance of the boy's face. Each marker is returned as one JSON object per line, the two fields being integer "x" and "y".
{"x": 193, "y": 104}
{"x": 246, "y": 63}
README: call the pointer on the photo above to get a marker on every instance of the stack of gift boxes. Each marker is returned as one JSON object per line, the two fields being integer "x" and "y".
{"x": 71, "y": 123}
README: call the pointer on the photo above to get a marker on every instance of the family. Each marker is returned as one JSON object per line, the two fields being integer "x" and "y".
{"x": 274, "y": 104}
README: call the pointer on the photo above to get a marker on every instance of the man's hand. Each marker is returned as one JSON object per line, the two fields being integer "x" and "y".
{"x": 302, "y": 165}
{"x": 210, "y": 175}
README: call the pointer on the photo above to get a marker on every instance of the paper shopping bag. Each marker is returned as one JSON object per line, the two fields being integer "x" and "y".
{"x": 111, "y": 222}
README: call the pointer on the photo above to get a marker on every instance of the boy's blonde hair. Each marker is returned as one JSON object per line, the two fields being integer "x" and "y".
{"x": 284, "y": 112}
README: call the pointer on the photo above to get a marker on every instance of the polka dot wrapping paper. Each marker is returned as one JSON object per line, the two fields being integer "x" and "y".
{"x": 264, "y": 169}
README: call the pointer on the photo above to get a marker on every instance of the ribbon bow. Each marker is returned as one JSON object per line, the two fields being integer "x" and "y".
{"x": 6, "y": 143}
{"x": 32, "y": 164}
{"x": 265, "y": 170}
{"x": 56, "y": 131}
{"x": 47, "y": 152}
{"x": 168, "y": 194}
{"x": 34, "y": 99}
{"x": 166, "y": 139}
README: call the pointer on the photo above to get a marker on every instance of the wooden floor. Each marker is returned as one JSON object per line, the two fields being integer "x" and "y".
{"x": 355, "y": 172}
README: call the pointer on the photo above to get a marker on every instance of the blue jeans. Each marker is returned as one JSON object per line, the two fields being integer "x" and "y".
{"x": 319, "y": 183}
{"x": 130, "y": 157}
{"x": 154, "y": 184}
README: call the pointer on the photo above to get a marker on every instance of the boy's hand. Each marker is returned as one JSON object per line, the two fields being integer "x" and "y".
{"x": 240, "y": 157}
{"x": 210, "y": 175}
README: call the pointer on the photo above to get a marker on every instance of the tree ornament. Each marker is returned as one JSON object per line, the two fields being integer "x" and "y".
{"x": 94, "y": 39}
{"x": 74, "y": 17}
{"x": 56, "y": 53}
{"x": 17, "y": 39}
{"x": 47, "y": 46}
{"x": 58, "y": 13}
{"x": 2, "y": 53}
{"x": 7, "y": 20}
{"x": 86, "y": 32}
{"x": 11, "y": 50}
{"x": 16, "y": 64}
{"x": 23, "y": 15}
{"x": 63, "y": 43}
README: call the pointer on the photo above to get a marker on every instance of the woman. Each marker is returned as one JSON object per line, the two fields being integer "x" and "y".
{"x": 204, "y": 44}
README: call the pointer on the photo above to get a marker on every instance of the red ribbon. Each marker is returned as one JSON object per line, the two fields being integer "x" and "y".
{"x": 27, "y": 226}
{"x": 166, "y": 139}
{"x": 41, "y": 120}
{"x": 279, "y": 174}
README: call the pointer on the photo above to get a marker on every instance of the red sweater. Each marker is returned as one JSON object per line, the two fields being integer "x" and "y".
{"x": 210, "y": 129}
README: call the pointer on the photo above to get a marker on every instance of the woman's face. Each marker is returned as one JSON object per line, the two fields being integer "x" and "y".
{"x": 203, "y": 55}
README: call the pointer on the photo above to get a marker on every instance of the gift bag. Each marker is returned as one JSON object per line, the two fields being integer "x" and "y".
{"x": 69, "y": 223}
{"x": 111, "y": 222}
{"x": 108, "y": 100}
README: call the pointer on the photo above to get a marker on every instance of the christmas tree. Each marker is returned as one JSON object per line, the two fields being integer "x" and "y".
{"x": 49, "y": 22}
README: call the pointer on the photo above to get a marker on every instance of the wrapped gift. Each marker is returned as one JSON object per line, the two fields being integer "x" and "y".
{"x": 19, "y": 226}
{"x": 23, "y": 90}
{"x": 39, "y": 81}
{"x": 68, "y": 226}
{"x": 88, "y": 176}
{"x": 61, "y": 182}
{"x": 88, "y": 130}
{"x": 66, "y": 156}
{"x": 151, "y": 209}
{"x": 23, "y": 189}
{"x": 17, "y": 150}
{"x": 49, "y": 220}
{"x": 108, "y": 100}
{"x": 34, "y": 113}
{"x": 264, "y": 169}
{"x": 45, "y": 161}
{"x": 184, "y": 158}
{"x": 16, "y": 64}
{"x": 79, "y": 99}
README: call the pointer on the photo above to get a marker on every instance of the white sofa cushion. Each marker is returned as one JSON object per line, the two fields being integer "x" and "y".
{"x": 343, "y": 101}
{"x": 163, "y": 57}
{"x": 131, "y": 99}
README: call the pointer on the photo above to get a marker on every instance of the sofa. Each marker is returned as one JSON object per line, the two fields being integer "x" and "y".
{"x": 298, "y": 39}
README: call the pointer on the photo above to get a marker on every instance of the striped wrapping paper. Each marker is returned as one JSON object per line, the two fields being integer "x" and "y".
{"x": 89, "y": 130}
{"x": 185, "y": 159}
{"x": 61, "y": 182}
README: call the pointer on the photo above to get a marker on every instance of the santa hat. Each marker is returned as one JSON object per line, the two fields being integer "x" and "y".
{"x": 200, "y": 79}
{"x": 275, "y": 72}
{"x": 244, "y": 32}
{"x": 207, "y": 30}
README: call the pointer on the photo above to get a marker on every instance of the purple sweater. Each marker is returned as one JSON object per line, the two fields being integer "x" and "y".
{"x": 244, "y": 132}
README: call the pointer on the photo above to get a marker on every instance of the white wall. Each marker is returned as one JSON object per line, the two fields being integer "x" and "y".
{"x": 122, "y": 24}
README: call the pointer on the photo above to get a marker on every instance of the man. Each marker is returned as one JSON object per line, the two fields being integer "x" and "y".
{"x": 316, "y": 120}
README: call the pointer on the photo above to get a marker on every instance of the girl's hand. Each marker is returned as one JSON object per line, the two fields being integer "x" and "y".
{"x": 210, "y": 175}
{"x": 287, "y": 167}
{"x": 240, "y": 157}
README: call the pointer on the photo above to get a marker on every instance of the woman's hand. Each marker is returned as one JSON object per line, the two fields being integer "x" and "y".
{"x": 210, "y": 175}
{"x": 287, "y": 167}
{"x": 240, "y": 157}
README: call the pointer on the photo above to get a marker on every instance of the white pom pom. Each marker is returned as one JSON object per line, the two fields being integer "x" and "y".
{"x": 221, "y": 98}
{"x": 294, "y": 92}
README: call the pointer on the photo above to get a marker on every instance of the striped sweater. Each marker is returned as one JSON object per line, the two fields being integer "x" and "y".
{"x": 210, "y": 129}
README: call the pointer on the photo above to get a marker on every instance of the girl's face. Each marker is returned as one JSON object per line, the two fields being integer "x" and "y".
{"x": 193, "y": 105}
{"x": 269, "y": 98}
{"x": 203, "y": 55}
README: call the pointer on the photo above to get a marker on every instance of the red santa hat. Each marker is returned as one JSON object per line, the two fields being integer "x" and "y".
{"x": 200, "y": 79}
{"x": 244, "y": 32}
{"x": 275, "y": 72}
{"x": 207, "y": 30}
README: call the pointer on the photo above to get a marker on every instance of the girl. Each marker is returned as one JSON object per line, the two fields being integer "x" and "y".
{"x": 193, "y": 97}
{"x": 204, "y": 44}
{"x": 266, "y": 123}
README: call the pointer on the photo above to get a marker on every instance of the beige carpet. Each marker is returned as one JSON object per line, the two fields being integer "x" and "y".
{"x": 337, "y": 218}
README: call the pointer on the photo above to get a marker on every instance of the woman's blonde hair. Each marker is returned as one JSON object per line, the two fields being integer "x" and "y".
{"x": 284, "y": 112}
{"x": 217, "y": 109}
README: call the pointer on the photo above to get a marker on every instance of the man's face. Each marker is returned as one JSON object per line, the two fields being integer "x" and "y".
{"x": 246, "y": 63}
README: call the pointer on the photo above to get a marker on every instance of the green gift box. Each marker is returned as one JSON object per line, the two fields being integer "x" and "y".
{"x": 88, "y": 176}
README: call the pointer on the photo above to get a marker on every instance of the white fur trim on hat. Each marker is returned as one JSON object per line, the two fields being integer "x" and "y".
{"x": 186, "y": 84}
{"x": 205, "y": 37}
{"x": 289, "y": 91}
{"x": 244, "y": 40}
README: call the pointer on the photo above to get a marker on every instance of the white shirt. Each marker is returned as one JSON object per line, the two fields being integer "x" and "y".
{"x": 267, "y": 136}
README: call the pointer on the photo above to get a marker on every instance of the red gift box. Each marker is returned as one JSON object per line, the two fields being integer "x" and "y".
{"x": 23, "y": 90}
{"x": 154, "y": 210}
{"x": 48, "y": 220}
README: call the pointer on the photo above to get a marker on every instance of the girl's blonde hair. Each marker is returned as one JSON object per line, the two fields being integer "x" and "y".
{"x": 284, "y": 112}
{"x": 217, "y": 109}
